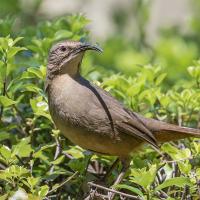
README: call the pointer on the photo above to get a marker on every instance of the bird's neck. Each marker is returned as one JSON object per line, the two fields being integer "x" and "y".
{"x": 71, "y": 70}
{"x": 61, "y": 80}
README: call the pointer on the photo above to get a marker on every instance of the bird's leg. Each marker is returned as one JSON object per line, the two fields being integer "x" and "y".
{"x": 125, "y": 164}
{"x": 103, "y": 180}
{"x": 115, "y": 163}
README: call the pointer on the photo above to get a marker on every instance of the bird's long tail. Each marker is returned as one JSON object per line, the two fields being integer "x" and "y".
{"x": 165, "y": 132}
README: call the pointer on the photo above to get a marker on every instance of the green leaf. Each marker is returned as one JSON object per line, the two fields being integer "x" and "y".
{"x": 6, "y": 102}
{"x": 14, "y": 50}
{"x": 17, "y": 40}
{"x": 143, "y": 177}
{"x": 33, "y": 72}
{"x": 177, "y": 181}
{"x": 40, "y": 107}
{"x": 58, "y": 160}
{"x": 31, "y": 88}
{"x": 175, "y": 153}
{"x": 5, "y": 152}
{"x": 4, "y": 43}
{"x": 4, "y": 197}
{"x": 160, "y": 78}
{"x": 75, "y": 151}
{"x": 77, "y": 164}
{"x": 14, "y": 171}
{"x": 61, "y": 34}
{"x": 4, "y": 135}
{"x": 31, "y": 182}
{"x": 197, "y": 147}
{"x": 23, "y": 148}
{"x": 185, "y": 167}
{"x": 43, "y": 191}
{"x": 194, "y": 71}
{"x": 40, "y": 153}
{"x": 134, "y": 90}
{"x": 130, "y": 188}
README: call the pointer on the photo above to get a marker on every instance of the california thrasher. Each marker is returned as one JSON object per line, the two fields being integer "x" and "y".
{"x": 90, "y": 117}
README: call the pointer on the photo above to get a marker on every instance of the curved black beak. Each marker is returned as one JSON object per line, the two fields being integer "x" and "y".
{"x": 87, "y": 46}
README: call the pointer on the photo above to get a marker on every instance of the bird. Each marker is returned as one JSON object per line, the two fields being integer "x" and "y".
{"x": 91, "y": 117}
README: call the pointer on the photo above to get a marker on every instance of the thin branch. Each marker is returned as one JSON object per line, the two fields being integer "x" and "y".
{"x": 159, "y": 178}
{"x": 162, "y": 194}
{"x": 114, "y": 191}
{"x": 198, "y": 184}
{"x": 67, "y": 155}
{"x": 57, "y": 153}
{"x": 175, "y": 161}
{"x": 64, "y": 182}
{"x": 94, "y": 194}
{"x": 20, "y": 160}
{"x": 184, "y": 194}
{"x": 2, "y": 166}
{"x": 4, "y": 85}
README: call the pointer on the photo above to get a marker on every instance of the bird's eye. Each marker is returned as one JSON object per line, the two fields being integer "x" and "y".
{"x": 63, "y": 48}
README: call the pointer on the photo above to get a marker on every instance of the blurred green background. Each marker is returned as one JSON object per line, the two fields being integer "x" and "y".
{"x": 132, "y": 32}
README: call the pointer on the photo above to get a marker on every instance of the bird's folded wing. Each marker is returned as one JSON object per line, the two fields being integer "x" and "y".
{"x": 135, "y": 127}
{"x": 125, "y": 120}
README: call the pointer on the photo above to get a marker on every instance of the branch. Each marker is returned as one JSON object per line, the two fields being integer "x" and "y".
{"x": 57, "y": 153}
{"x": 67, "y": 155}
{"x": 4, "y": 85}
{"x": 63, "y": 183}
{"x": 198, "y": 184}
{"x": 114, "y": 191}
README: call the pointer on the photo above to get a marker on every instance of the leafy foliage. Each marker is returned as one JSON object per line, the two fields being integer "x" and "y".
{"x": 36, "y": 162}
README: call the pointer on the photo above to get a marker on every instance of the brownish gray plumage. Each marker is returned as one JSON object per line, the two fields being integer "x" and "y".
{"x": 90, "y": 117}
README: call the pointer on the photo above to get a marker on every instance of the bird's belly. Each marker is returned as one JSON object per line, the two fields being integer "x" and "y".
{"x": 99, "y": 143}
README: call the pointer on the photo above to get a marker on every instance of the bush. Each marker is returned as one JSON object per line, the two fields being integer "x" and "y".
{"x": 38, "y": 163}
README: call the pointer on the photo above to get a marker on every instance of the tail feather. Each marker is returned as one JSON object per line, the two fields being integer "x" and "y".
{"x": 165, "y": 132}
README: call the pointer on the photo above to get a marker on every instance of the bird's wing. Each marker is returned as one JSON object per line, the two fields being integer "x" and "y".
{"x": 134, "y": 126}
{"x": 125, "y": 120}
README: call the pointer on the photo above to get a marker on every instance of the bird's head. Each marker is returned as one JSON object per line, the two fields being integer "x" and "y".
{"x": 65, "y": 58}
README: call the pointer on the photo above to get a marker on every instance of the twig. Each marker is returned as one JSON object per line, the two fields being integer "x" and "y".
{"x": 4, "y": 84}
{"x": 198, "y": 185}
{"x": 2, "y": 166}
{"x": 50, "y": 197}
{"x": 94, "y": 194}
{"x": 21, "y": 161}
{"x": 184, "y": 194}
{"x": 31, "y": 162}
{"x": 57, "y": 153}
{"x": 159, "y": 178}
{"x": 114, "y": 191}
{"x": 175, "y": 161}
{"x": 161, "y": 194}
{"x": 3, "y": 93}
{"x": 67, "y": 155}
{"x": 63, "y": 183}
{"x": 176, "y": 174}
